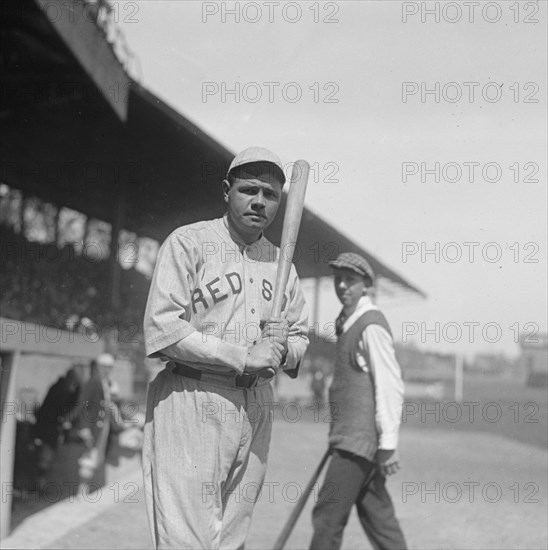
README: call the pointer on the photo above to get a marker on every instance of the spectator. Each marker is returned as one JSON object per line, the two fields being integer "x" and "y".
{"x": 53, "y": 417}
{"x": 98, "y": 415}
{"x": 317, "y": 385}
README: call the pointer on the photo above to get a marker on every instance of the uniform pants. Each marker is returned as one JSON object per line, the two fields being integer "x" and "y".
{"x": 204, "y": 460}
{"x": 342, "y": 488}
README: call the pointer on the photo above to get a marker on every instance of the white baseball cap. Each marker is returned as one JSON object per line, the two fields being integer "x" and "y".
{"x": 258, "y": 154}
{"x": 105, "y": 359}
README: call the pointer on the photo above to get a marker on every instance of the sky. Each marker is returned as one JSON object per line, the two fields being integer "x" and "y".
{"x": 378, "y": 100}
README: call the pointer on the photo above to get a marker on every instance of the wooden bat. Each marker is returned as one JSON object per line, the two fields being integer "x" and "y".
{"x": 292, "y": 221}
{"x": 292, "y": 520}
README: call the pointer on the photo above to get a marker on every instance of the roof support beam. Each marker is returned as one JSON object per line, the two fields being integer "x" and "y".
{"x": 118, "y": 224}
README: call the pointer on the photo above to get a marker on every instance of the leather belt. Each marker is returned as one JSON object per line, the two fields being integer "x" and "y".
{"x": 244, "y": 380}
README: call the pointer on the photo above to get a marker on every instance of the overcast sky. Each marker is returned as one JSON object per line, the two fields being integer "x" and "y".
{"x": 354, "y": 120}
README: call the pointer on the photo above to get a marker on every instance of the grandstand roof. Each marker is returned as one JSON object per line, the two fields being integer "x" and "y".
{"x": 76, "y": 134}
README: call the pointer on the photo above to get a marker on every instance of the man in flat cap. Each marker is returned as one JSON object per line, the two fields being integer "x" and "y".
{"x": 366, "y": 398}
{"x": 208, "y": 425}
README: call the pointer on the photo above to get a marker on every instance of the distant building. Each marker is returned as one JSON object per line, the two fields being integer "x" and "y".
{"x": 534, "y": 358}
{"x": 493, "y": 364}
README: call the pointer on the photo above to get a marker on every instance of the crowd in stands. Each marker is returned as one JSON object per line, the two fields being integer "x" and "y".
{"x": 61, "y": 287}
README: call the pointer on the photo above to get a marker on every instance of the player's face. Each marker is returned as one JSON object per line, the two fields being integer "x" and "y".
{"x": 349, "y": 286}
{"x": 253, "y": 201}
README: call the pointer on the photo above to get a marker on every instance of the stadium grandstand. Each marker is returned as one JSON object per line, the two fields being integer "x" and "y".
{"x": 95, "y": 171}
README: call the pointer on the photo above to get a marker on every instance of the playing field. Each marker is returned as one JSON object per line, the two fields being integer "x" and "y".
{"x": 474, "y": 474}
{"x": 463, "y": 485}
{"x": 456, "y": 489}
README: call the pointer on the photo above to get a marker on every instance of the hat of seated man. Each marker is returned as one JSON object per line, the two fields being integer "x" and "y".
{"x": 252, "y": 155}
{"x": 354, "y": 262}
{"x": 106, "y": 360}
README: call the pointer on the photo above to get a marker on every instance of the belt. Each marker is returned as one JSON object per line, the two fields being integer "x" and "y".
{"x": 244, "y": 380}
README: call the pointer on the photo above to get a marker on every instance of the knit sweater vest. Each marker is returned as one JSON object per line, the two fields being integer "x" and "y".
{"x": 352, "y": 393}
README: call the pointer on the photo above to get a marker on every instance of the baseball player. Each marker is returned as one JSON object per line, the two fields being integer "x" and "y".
{"x": 366, "y": 397}
{"x": 208, "y": 425}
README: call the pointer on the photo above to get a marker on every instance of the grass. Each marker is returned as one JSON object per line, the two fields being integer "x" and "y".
{"x": 490, "y": 405}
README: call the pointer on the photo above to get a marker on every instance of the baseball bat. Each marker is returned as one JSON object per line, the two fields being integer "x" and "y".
{"x": 292, "y": 520}
{"x": 292, "y": 221}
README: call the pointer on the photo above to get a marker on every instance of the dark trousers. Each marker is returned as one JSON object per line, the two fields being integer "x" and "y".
{"x": 344, "y": 486}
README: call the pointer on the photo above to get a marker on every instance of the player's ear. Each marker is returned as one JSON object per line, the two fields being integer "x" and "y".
{"x": 226, "y": 189}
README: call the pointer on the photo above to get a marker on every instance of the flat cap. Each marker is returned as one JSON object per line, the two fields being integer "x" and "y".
{"x": 355, "y": 262}
{"x": 258, "y": 154}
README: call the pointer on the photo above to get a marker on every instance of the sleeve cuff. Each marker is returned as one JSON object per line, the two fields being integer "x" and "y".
{"x": 156, "y": 345}
{"x": 232, "y": 356}
{"x": 388, "y": 442}
{"x": 211, "y": 351}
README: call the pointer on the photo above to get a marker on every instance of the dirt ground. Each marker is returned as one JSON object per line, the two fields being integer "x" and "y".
{"x": 457, "y": 489}
{"x": 467, "y": 482}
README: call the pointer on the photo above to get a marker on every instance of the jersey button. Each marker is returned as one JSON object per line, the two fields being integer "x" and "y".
{"x": 251, "y": 280}
{"x": 252, "y": 310}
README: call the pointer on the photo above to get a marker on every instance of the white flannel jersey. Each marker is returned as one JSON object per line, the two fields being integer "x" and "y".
{"x": 214, "y": 293}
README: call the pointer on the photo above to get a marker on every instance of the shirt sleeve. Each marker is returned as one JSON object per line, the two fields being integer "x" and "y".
{"x": 197, "y": 349}
{"x": 297, "y": 315}
{"x": 388, "y": 384}
{"x": 167, "y": 329}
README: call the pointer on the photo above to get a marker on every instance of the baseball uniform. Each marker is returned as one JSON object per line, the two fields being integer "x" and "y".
{"x": 206, "y": 440}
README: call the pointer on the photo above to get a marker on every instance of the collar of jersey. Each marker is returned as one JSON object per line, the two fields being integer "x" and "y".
{"x": 234, "y": 237}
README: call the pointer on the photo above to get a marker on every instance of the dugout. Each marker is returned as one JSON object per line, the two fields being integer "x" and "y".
{"x": 21, "y": 341}
{"x": 79, "y": 131}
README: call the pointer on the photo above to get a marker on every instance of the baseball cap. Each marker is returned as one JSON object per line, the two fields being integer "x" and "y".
{"x": 258, "y": 154}
{"x": 105, "y": 359}
{"x": 355, "y": 262}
